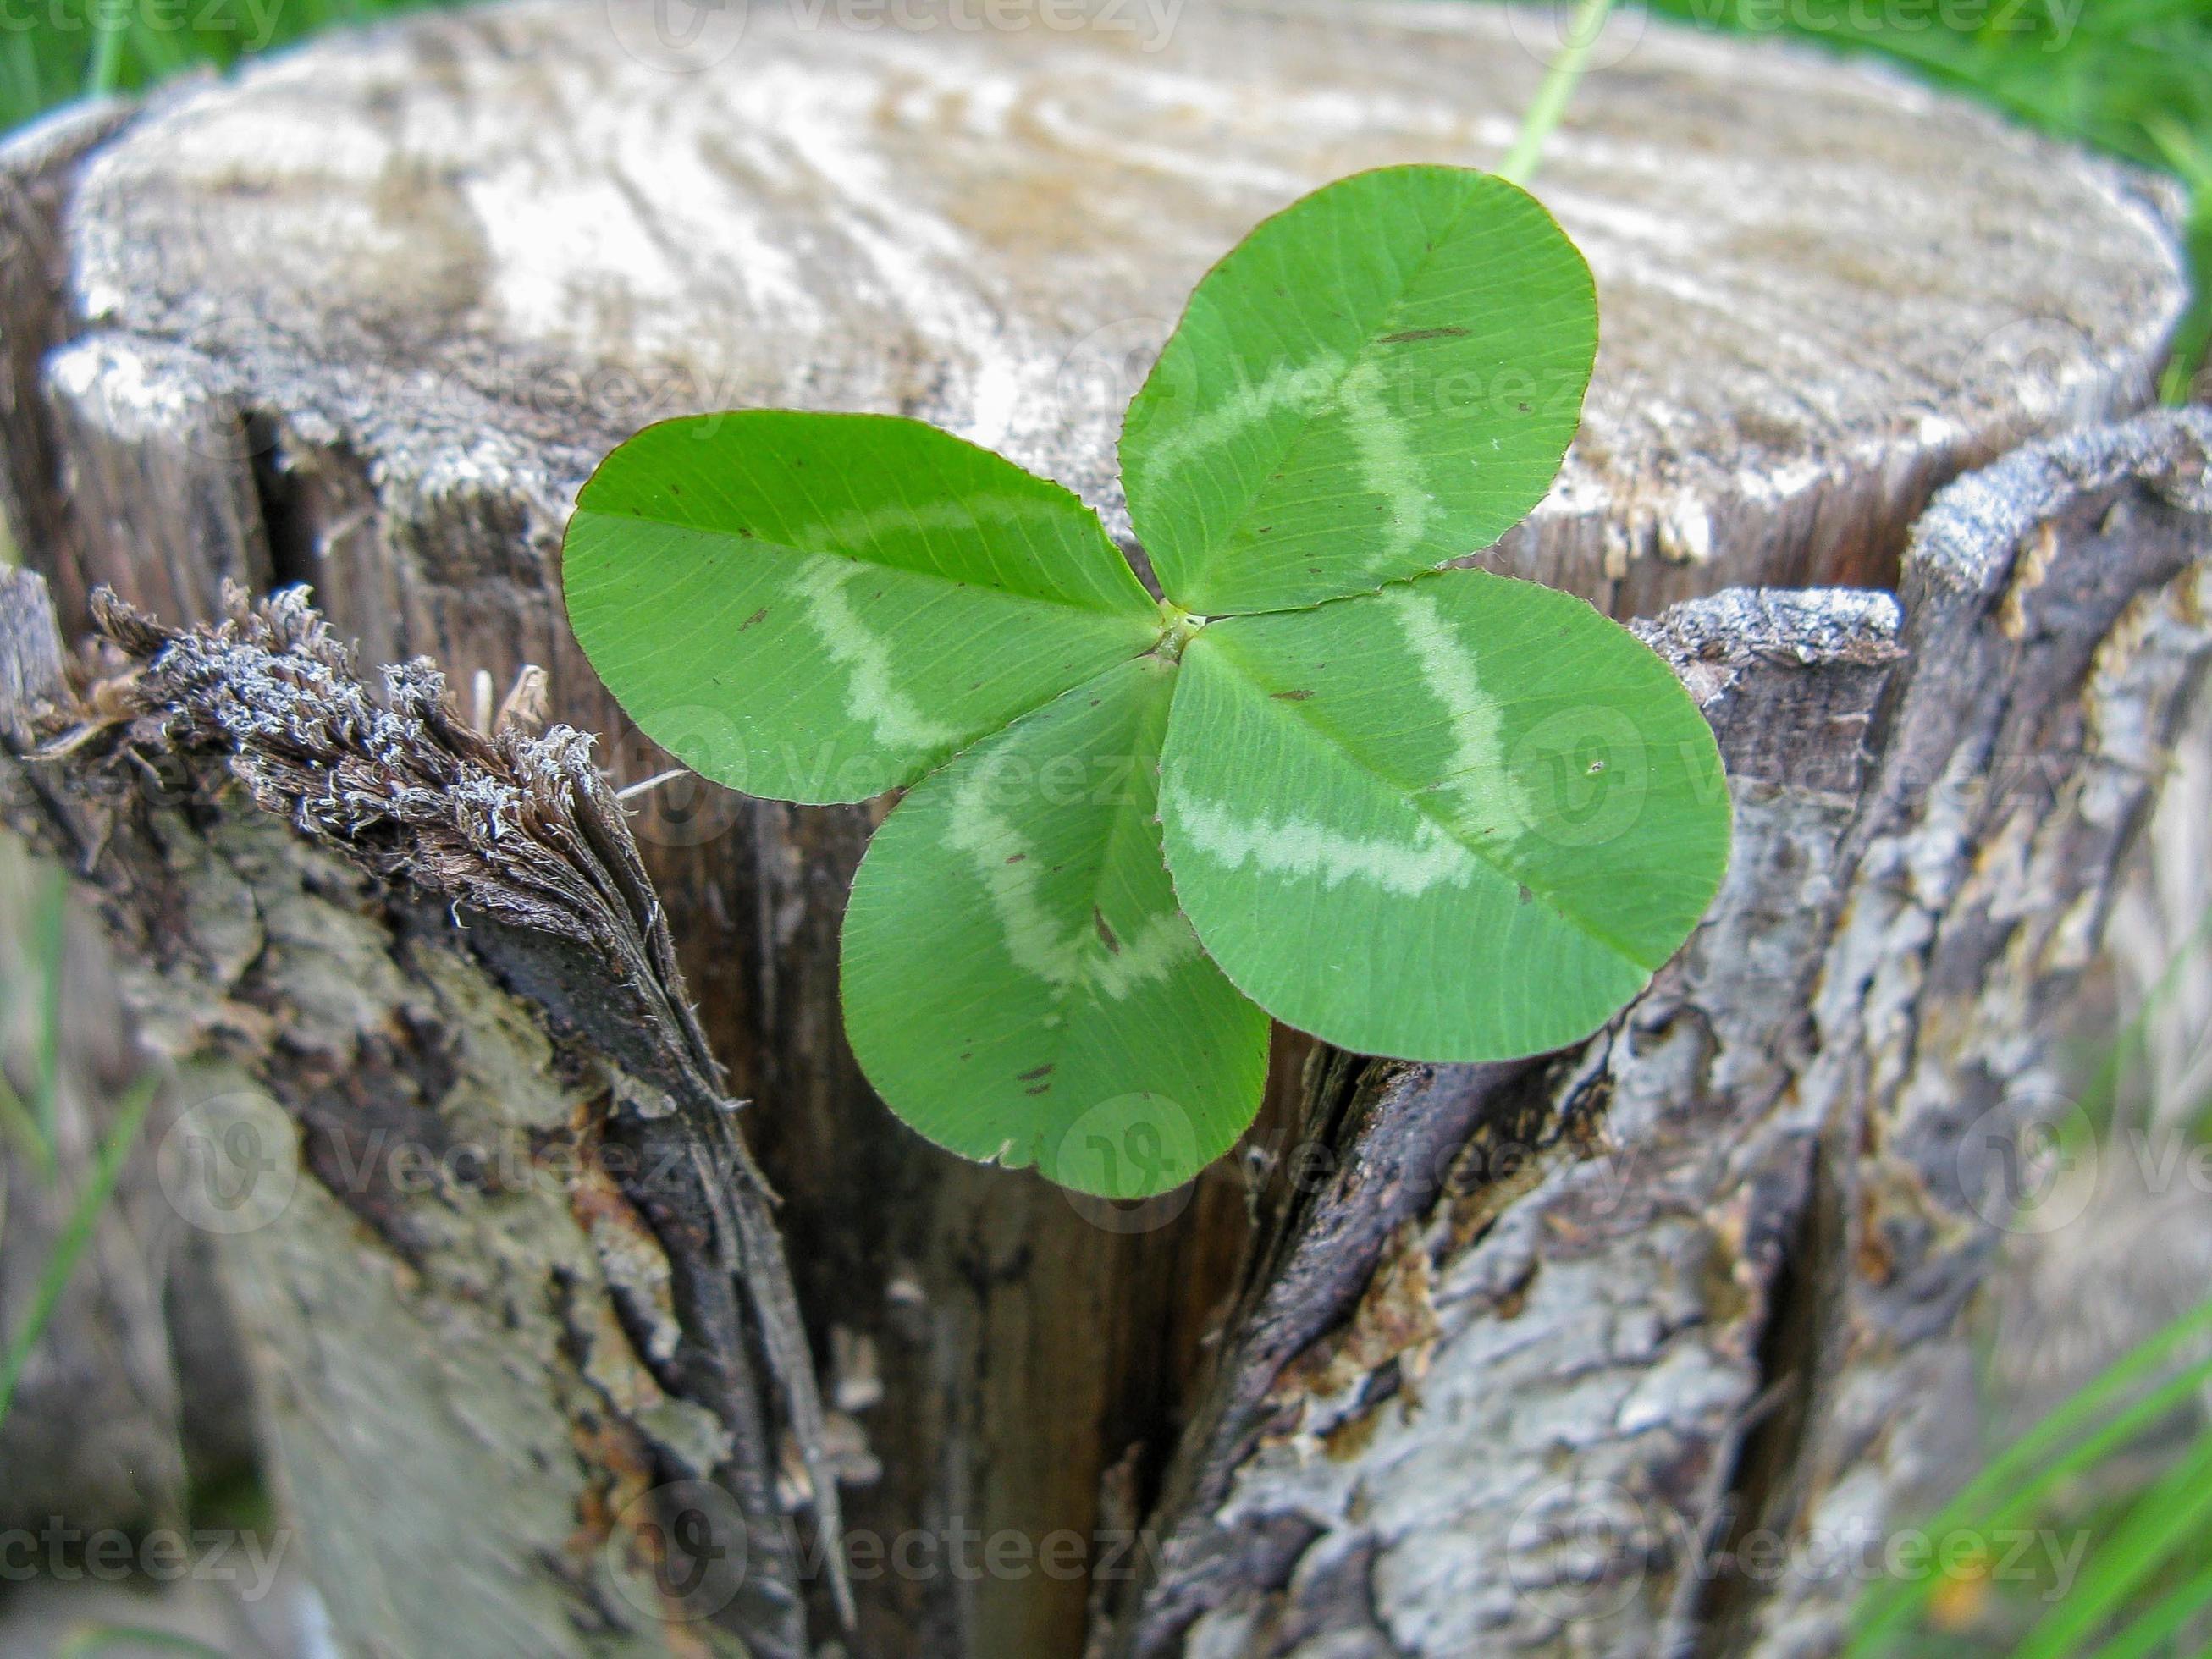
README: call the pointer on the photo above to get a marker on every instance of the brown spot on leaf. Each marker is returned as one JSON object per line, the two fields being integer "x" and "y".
{"x": 1034, "y": 1072}
{"x": 756, "y": 616}
{"x": 1105, "y": 932}
{"x": 1292, "y": 696}
{"x": 1407, "y": 336}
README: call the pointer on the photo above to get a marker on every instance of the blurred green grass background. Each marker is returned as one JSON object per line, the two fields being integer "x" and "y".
{"x": 2130, "y": 78}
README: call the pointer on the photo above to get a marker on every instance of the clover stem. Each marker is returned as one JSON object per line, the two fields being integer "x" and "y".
{"x": 1178, "y": 625}
{"x": 1558, "y": 86}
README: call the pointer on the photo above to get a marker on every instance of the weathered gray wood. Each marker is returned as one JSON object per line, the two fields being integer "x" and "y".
{"x": 366, "y": 319}
{"x": 41, "y": 165}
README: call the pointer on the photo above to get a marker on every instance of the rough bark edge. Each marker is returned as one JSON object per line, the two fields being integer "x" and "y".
{"x": 518, "y": 831}
{"x": 2059, "y": 625}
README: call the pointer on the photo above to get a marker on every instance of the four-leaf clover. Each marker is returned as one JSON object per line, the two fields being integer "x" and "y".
{"x": 1429, "y": 813}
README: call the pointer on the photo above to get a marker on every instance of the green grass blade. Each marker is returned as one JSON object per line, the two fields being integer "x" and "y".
{"x": 18, "y": 1121}
{"x": 53, "y": 924}
{"x": 2034, "y": 1463}
{"x": 105, "y": 72}
{"x": 161, "y": 53}
{"x": 2173, "y": 1510}
{"x": 22, "y": 95}
{"x": 1904, "y": 1602}
{"x": 98, "y": 1638}
{"x": 77, "y": 1233}
{"x": 2162, "y": 1621}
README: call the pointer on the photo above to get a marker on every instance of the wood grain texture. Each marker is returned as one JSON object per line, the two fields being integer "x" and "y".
{"x": 478, "y": 251}
{"x": 367, "y": 317}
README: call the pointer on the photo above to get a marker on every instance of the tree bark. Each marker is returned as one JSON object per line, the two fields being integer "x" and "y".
{"x": 365, "y": 318}
{"x": 569, "y": 1290}
{"x": 1709, "y": 1276}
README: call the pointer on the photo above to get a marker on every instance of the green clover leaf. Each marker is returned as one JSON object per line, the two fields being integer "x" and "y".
{"x": 856, "y": 597}
{"x": 1014, "y": 957}
{"x": 1381, "y": 377}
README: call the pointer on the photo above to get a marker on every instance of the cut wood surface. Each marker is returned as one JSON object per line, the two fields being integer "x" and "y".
{"x": 365, "y": 318}
{"x": 470, "y": 254}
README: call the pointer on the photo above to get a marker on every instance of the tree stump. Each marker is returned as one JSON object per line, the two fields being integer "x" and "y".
{"x": 365, "y": 319}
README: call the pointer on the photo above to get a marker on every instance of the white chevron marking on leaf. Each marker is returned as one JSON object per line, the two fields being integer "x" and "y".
{"x": 1064, "y": 957}
{"x": 1304, "y": 847}
{"x": 1157, "y": 949}
{"x": 872, "y": 694}
{"x": 1388, "y": 465}
{"x": 1478, "y": 773}
{"x": 1311, "y": 385}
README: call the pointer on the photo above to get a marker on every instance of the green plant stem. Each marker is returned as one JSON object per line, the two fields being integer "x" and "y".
{"x": 2191, "y": 158}
{"x": 19, "y": 1121}
{"x": 1550, "y": 100}
{"x": 76, "y": 1234}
